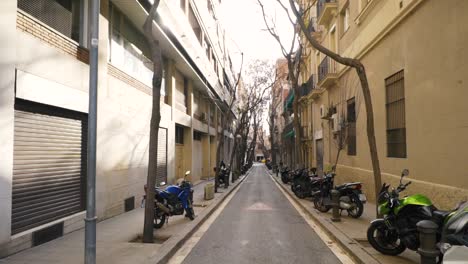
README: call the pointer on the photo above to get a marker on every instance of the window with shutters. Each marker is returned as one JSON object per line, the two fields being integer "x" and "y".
{"x": 179, "y": 137}
{"x": 61, "y": 15}
{"x": 396, "y": 122}
{"x": 351, "y": 120}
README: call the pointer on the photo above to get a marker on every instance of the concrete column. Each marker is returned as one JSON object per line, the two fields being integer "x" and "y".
{"x": 7, "y": 101}
{"x": 188, "y": 132}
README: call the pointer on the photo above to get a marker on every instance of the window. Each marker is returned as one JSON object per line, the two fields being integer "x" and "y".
{"x": 351, "y": 120}
{"x": 197, "y": 136}
{"x": 128, "y": 49}
{"x": 195, "y": 25}
{"x": 395, "y": 105}
{"x": 179, "y": 134}
{"x": 61, "y": 15}
{"x": 345, "y": 19}
{"x": 182, "y": 5}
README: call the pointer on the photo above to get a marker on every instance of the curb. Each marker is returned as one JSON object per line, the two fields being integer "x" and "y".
{"x": 351, "y": 246}
{"x": 170, "y": 247}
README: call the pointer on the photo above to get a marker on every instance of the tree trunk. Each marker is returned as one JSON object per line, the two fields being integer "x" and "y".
{"x": 154, "y": 124}
{"x": 361, "y": 72}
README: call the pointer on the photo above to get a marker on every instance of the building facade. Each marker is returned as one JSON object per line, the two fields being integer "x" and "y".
{"x": 414, "y": 54}
{"x": 44, "y": 105}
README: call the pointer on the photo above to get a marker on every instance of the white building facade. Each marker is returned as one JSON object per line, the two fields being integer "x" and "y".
{"x": 44, "y": 105}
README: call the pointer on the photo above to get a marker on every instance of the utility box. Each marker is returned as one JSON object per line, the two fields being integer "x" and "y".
{"x": 209, "y": 191}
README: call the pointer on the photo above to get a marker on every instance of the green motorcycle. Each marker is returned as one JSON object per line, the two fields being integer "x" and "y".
{"x": 397, "y": 230}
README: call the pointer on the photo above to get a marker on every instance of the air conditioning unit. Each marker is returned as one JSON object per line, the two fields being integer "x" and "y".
{"x": 323, "y": 111}
{"x": 336, "y": 123}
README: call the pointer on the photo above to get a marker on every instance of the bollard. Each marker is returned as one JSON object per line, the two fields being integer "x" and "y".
{"x": 427, "y": 239}
{"x": 335, "y": 196}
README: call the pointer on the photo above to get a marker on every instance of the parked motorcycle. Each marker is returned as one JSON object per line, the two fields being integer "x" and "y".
{"x": 397, "y": 230}
{"x": 454, "y": 238}
{"x": 224, "y": 175}
{"x": 173, "y": 200}
{"x": 351, "y": 197}
{"x": 306, "y": 183}
{"x": 285, "y": 175}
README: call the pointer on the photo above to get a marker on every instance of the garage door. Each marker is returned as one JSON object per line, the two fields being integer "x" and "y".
{"x": 49, "y": 164}
{"x": 162, "y": 156}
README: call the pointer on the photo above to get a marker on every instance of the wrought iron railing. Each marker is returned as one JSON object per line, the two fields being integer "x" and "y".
{"x": 308, "y": 86}
{"x": 326, "y": 67}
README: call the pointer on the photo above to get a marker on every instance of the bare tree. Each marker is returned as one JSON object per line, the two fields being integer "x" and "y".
{"x": 259, "y": 78}
{"x": 154, "y": 123}
{"x": 293, "y": 57}
{"x": 361, "y": 72}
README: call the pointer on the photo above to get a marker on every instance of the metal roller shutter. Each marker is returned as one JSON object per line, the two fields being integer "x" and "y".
{"x": 49, "y": 164}
{"x": 162, "y": 156}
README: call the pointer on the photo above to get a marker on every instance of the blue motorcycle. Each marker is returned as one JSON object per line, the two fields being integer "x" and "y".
{"x": 174, "y": 200}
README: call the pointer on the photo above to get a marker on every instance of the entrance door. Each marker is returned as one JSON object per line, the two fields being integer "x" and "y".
{"x": 319, "y": 155}
{"x": 179, "y": 161}
{"x": 197, "y": 157}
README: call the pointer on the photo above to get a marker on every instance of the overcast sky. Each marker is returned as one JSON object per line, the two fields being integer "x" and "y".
{"x": 244, "y": 24}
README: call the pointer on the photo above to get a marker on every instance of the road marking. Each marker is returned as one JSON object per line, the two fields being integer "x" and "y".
{"x": 337, "y": 250}
{"x": 185, "y": 250}
{"x": 259, "y": 207}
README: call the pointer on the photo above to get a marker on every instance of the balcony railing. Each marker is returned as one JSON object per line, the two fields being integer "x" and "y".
{"x": 326, "y": 71}
{"x": 323, "y": 8}
{"x": 308, "y": 86}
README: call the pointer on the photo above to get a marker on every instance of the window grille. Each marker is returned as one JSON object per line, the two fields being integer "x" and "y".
{"x": 396, "y": 122}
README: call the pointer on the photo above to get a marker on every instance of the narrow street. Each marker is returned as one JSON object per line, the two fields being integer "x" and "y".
{"x": 260, "y": 225}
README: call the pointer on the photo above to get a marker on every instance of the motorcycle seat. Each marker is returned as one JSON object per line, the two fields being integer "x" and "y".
{"x": 347, "y": 185}
{"x": 440, "y": 215}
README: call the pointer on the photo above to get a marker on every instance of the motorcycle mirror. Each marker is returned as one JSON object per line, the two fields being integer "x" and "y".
{"x": 405, "y": 173}
{"x": 314, "y": 170}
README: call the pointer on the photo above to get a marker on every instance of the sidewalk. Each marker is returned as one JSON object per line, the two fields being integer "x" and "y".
{"x": 114, "y": 236}
{"x": 350, "y": 233}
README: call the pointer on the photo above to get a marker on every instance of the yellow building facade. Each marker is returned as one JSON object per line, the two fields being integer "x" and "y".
{"x": 414, "y": 52}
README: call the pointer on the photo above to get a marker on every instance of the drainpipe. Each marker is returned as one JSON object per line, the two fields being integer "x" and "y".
{"x": 90, "y": 220}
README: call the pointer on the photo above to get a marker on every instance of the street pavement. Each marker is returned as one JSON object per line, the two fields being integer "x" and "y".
{"x": 259, "y": 225}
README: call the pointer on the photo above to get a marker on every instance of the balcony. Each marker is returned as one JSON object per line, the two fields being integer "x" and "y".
{"x": 326, "y": 10}
{"x": 327, "y": 73}
{"x": 308, "y": 86}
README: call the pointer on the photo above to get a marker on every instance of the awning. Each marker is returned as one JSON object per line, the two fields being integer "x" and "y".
{"x": 289, "y": 101}
{"x": 289, "y": 134}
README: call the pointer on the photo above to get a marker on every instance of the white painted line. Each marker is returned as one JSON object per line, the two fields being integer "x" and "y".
{"x": 336, "y": 249}
{"x": 185, "y": 250}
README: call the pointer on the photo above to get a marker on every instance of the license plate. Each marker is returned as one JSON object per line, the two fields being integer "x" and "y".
{"x": 362, "y": 197}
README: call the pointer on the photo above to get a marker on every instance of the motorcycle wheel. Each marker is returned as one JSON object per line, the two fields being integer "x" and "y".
{"x": 159, "y": 219}
{"x": 384, "y": 240}
{"x": 319, "y": 205}
{"x": 299, "y": 192}
{"x": 357, "y": 211}
{"x": 284, "y": 179}
{"x": 189, "y": 211}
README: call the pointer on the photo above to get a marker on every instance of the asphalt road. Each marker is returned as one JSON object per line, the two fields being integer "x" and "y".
{"x": 259, "y": 225}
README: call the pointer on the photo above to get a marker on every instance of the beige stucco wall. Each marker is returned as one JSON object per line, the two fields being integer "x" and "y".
{"x": 432, "y": 56}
